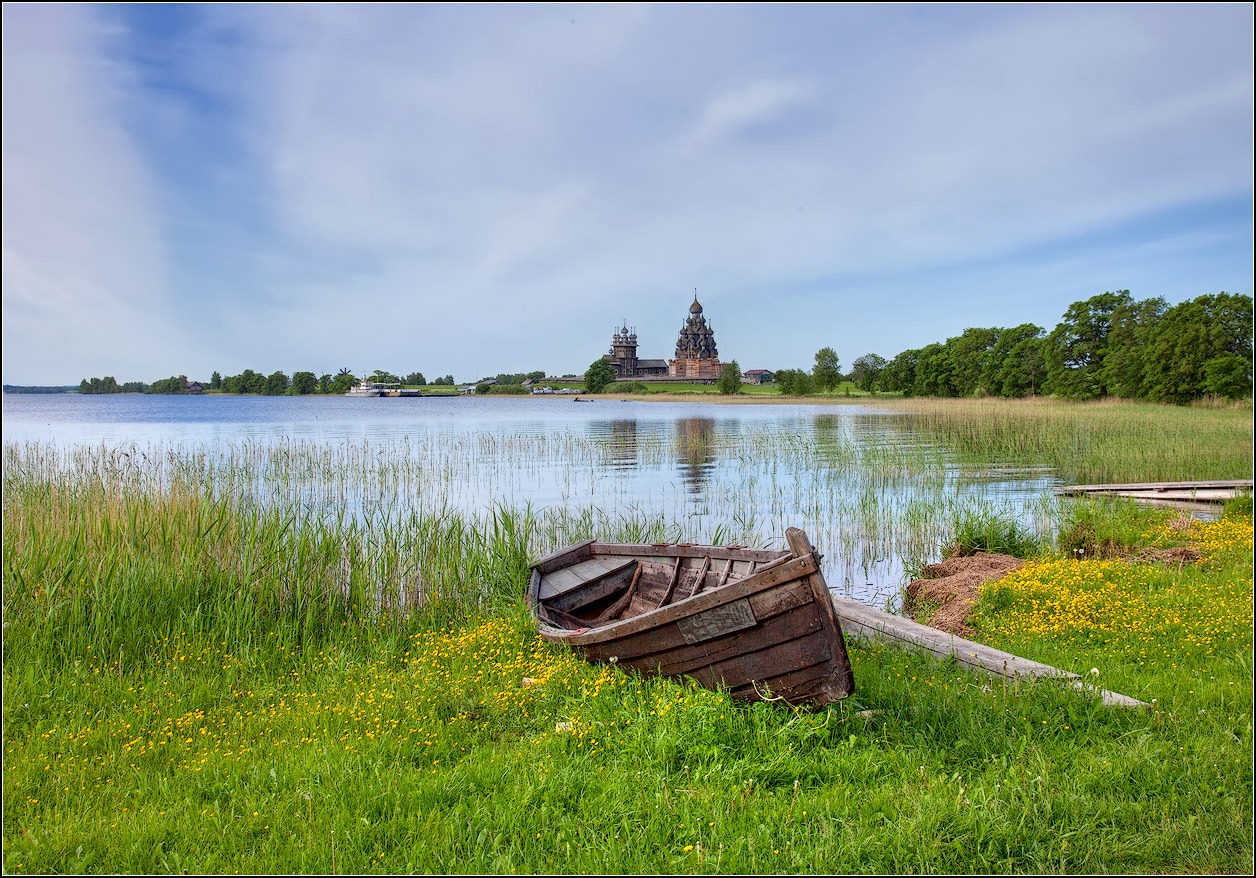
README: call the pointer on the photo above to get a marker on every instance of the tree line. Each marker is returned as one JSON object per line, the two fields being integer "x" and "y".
{"x": 1108, "y": 345}
{"x": 250, "y": 382}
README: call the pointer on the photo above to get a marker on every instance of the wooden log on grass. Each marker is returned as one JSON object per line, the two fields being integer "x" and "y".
{"x": 859, "y": 620}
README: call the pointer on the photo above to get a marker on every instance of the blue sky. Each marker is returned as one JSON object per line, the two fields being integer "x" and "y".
{"x": 474, "y": 189}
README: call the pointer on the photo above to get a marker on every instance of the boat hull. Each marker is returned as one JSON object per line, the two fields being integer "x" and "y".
{"x": 766, "y": 631}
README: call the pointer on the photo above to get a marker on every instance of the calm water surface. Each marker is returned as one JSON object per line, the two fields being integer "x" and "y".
{"x": 869, "y": 493}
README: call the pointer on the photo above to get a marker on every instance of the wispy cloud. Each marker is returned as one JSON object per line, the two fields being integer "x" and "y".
{"x": 507, "y": 182}
{"x": 85, "y": 273}
{"x": 756, "y": 105}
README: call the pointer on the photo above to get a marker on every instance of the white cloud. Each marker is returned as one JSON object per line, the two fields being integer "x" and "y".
{"x": 508, "y": 182}
{"x": 728, "y": 114}
{"x": 84, "y": 270}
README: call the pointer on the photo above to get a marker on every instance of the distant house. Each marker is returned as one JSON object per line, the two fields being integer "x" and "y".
{"x": 194, "y": 387}
{"x": 757, "y": 376}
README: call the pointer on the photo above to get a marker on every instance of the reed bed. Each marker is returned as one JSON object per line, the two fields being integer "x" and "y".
{"x": 1100, "y": 442}
{"x": 873, "y": 497}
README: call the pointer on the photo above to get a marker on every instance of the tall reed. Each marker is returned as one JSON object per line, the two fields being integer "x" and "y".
{"x": 1097, "y": 442}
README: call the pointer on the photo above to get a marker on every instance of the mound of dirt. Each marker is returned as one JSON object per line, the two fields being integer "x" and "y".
{"x": 952, "y": 586}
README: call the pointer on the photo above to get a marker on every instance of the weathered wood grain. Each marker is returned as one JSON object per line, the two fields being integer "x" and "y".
{"x": 763, "y": 622}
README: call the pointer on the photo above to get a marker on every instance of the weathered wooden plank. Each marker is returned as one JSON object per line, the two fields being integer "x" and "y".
{"x": 860, "y": 620}
{"x": 696, "y": 585}
{"x": 604, "y": 584}
{"x": 1161, "y": 486}
{"x": 792, "y": 569}
{"x": 1214, "y": 491}
{"x": 686, "y": 550}
{"x": 569, "y": 555}
{"x": 744, "y": 668}
{"x": 799, "y": 543}
{"x": 780, "y": 600}
{"x": 815, "y": 683}
{"x": 1197, "y": 495}
{"x": 717, "y": 622}
{"x": 562, "y": 581}
{"x": 788, "y": 626}
{"x": 654, "y": 646}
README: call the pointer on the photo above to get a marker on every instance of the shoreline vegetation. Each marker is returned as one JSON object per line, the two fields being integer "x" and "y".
{"x": 198, "y": 681}
{"x": 1107, "y": 346}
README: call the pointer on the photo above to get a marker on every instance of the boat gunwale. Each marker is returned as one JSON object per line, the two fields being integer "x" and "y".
{"x": 790, "y": 570}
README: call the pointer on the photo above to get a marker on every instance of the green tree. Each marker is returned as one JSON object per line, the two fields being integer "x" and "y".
{"x": 247, "y": 381}
{"x": 1078, "y": 346}
{"x": 415, "y": 379}
{"x": 1129, "y": 336}
{"x": 730, "y": 379}
{"x": 933, "y": 372}
{"x": 866, "y": 369}
{"x": 599, "y": 374}
{"x": 795, "y": 382}
{"x": 379, "y": 376}
{"x": 970, "y": 359}
{"x": 1192, "y": 335}
{"x": 175, "y": 384}
{"x": 215, "y": 381}
{"x": 304, "y": 383}
{"x": 324, "y": 383}
{"x": 827, "y": 370}
{"x": 899, "y": 374}
{"x": 1025, "y": 367}
{"x": 1228, "y": 375}
{"x": 342, "y": 382}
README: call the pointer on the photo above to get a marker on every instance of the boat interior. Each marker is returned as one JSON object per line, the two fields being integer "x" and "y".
{"x": 609, "y": 588}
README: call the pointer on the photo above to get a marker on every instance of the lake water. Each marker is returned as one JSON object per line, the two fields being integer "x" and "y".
{"x": 871, "y": 494}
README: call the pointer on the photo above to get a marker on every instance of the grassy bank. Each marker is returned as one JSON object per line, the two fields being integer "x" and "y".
{"x": 197, "y": 683}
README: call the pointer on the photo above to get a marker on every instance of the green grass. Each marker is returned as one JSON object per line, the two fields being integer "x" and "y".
{"x": 198, "y": 683}
{"x": 1100, "y": 442}
{"x": 985, "y": 531}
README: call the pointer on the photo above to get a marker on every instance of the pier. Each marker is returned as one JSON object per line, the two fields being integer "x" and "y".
{"x": 1216, "y": 491}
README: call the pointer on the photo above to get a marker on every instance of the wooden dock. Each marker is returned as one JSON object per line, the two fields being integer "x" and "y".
{"x": 859, "y": 620}
{"x": 1217, "y": 491}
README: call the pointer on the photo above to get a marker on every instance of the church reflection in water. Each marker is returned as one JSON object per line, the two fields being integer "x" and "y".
{"x": 695, "y": 451}
{"x": 623, "y": 443}
{"x": 690, "y": 443}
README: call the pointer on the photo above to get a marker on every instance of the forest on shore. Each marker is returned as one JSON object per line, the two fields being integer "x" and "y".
{"x": 1109, "y": 345}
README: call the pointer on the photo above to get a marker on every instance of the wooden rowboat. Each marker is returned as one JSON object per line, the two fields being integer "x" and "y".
{"x": 758, "y": 622}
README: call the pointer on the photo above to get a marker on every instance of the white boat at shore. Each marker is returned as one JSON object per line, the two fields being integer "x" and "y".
{"x": 366, "y": 388}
